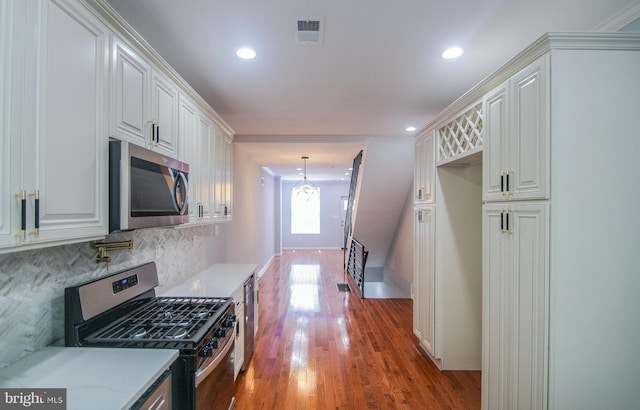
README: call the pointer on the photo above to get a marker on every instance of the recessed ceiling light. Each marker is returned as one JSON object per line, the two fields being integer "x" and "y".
{"x": 452, "y": 52}
{"x": 246, "y": 53}
{"x": 411, "y": 128}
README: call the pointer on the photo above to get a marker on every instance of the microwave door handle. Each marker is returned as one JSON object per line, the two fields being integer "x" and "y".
{"x": 180, "y": 208}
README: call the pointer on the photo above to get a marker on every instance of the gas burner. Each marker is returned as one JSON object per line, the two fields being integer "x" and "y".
{"x": 138, "y": 332}
{"x": 165, "y": 315}
{"x": 201, "y": 313}
{"x": 176, "y": 333}
{"x": 175, "y": 323}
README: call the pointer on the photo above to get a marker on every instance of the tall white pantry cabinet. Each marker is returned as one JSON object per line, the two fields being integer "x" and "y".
{"x": 561, "y": 262}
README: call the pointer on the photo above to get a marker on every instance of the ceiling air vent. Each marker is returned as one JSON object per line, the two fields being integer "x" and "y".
{"x": 310, "y": 30}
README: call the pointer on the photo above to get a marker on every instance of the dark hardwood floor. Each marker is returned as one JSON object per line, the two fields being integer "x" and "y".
{"x": 318, "y": 348}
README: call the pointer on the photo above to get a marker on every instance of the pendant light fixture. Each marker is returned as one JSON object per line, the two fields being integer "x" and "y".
{"x": 305, "y": 188}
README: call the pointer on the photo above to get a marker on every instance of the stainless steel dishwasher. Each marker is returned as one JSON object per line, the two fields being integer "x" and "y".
{"x": 249, "y": 305}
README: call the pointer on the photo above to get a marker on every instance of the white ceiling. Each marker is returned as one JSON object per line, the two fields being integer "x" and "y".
{"x": 377, "y": 71}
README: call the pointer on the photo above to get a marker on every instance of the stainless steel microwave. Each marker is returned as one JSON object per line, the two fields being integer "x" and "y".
{"x": 146, "y": 189}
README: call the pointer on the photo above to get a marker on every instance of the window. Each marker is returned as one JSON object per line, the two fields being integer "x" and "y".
{"x": 305, "y": 213}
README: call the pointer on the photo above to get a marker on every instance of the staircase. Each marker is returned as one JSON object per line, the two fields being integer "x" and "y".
{"x": 383, "y": 186}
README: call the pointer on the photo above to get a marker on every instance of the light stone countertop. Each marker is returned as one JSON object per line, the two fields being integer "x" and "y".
{"x": 219, "y": 280}
{"x": 95, "y": 378}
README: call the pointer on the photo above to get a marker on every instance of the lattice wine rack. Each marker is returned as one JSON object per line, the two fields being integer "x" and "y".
{"x": 461, "y": 135}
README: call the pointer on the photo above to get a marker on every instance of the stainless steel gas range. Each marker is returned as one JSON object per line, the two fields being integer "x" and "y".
{"x": 122, "y": 310}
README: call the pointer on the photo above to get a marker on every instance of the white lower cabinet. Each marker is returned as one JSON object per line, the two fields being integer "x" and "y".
{"x": 423, "y": 278}
{"x": 54, "y": 179}
{"x": 515, "y": 314}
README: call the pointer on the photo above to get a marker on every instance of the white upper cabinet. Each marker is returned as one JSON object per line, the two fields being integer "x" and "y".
{"x": 130, "y": 82}
{"x": 55, "y": 129}
{"x": 205, "y": 168}
{"x": 223, "y": 178}
{"x": 164, "y": 114}
{"x": 9, "y": 48}
{"x": 197, "y": 147}
{"x": 144, "y": 104}
{"x": 516, "y": 136}
{"x": 424, "y": 169}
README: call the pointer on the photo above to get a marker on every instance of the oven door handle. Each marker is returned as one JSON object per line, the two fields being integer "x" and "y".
{"x": 203, "y": 373}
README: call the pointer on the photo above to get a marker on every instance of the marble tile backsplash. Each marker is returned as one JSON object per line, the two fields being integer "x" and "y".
{"x": 32, "y": 282}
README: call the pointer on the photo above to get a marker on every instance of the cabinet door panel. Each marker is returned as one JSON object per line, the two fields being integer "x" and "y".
{"x": 129, "y": 94}
{"x": 424, "y": 166}
{"x": 515, "y": 282}
{"x": 496, "y": 319}
{"x": 188, "y": 135}
{"x": 9, "y": 210}
{"x": 205, "y": 164}
{"x": 424, "y": 286}
{"x": 72, "y": 103}
{"x": 164, "y": 114}
{"x": 228, "y": 172}
{"x": 530, "y": 306}
{"x": 530, "y": 133}
{"x": 496, "y": 150}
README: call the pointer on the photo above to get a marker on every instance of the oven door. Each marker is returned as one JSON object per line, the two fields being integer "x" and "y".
{"x": 215, "y": 387}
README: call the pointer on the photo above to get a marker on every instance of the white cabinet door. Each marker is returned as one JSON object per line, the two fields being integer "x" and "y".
{"x": 424, "y": 167}
{"x": 515, "y": 288}
{"x": 164, "y": 115}
{"x": 228, "y": 170}
{"x": 11, "y": 45}
{"x": 496, "y": 151}
{"x": 423, "y": 279}
{"x": 197, "y": 139}
{"x": 188, "y": 137}
{"x": 223, "y": 170}
{"x": 58, "y": 61}
{"x": 205, "y": 165}
{"x": 71, "y": 103}
{"x": 530, "y": 161}
{"x": 144, "y": 103}
{"x": 515, "y": 155}
{"x": 130, "y": 81}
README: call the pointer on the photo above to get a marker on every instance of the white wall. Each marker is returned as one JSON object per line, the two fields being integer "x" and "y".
{"x": 398, "y": 268}
{"x": 331, "y": 234}
{"x": 253, "y": 229}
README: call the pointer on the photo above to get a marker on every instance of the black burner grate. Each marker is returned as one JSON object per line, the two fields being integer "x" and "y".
{"x": 163, "y": 319}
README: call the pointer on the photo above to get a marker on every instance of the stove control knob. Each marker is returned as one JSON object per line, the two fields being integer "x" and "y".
{"x": 206, "y": 351}
{"x": 229, "y": 321}
{"x": 212, "y": 344}
{"x": 220, "y": 332}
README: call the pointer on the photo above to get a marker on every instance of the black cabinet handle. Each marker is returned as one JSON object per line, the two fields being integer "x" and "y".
{"x": 502, "y": 221}
{"x": 157, "y": 134}
{"x": 23, "y": 211}
{"x": 36, "y": 211}
{"x": 507, "y": 182}
{"x": 502, "y": 183}
{"x": 507, "y": 214}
